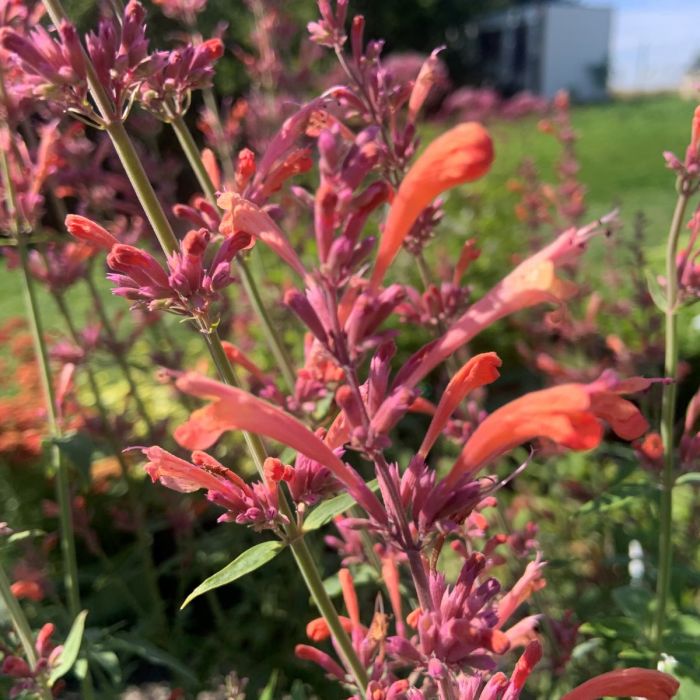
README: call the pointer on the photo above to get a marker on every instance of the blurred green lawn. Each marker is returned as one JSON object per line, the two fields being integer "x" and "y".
{"x": 620, "y": 151}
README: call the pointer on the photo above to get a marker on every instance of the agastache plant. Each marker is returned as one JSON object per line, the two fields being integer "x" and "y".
{"x": 333, "y": 417}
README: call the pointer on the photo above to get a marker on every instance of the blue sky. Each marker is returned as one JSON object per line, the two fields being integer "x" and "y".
{"x": 653, "y": 42}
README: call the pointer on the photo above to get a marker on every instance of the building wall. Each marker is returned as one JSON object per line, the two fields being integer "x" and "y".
{"x": 576, "y": 47}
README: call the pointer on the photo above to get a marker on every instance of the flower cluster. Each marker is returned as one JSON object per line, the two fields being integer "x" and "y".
{"x": 190, "y": 285}
{"x": 24, "y": 678}
{"x": 115, "y": 61}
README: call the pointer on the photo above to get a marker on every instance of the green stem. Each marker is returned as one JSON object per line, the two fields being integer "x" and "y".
{"x": 156, "y": 216}
{"x": 120, "y": 359}
{"x": 67, "y": 538}
{"x": 191, "y": 151}
{"x": 22, "y": 628}
{"x": 62, "y": 487}
{"x": 189, "y": 148}
{"x": 142, "y": 186}
{"x": 300, "y": 550}
{"x": 668, "y": 419}
{"x": 18, "y": 618}
{"x": 70, "y": 566}
{"x": 142, "y": 536}
{"x": 284, "y": 362}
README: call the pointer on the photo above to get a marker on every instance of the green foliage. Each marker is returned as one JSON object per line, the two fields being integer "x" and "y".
{"x": 71, "y": 649}
{"x": 243, "y": 564}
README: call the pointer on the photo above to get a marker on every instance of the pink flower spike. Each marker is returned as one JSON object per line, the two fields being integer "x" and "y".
{"x": 86, "y": 230}
{"x": 235, "y": 409}
{"x": 43, "y": 643}
{"x": 530, "y": 582}
{"x": 637, "y": 682}
{"x": 177, "y": 474}
{"x": 478, "y": 371}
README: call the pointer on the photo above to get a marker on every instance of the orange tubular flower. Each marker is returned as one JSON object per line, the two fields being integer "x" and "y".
{"x": 238, "y": 357}
{"x": 568, "y": 414}
{"x": 636, "y": 682}
{"x": 462, "y": 154}
{"x": 241, "y": 214}
{"x": 480, "y": 370}
{"x": 317, "y": 630}
{"x": 90, "y": 232}
{"x": 532, "y": 282}
{"x": 235, "y": 409}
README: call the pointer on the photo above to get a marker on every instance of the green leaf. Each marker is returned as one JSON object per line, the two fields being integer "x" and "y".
{"x": 71, "y": 648}
{"x": 78, "y": 448}
{"x": 633, "y": 601}
{"x": 616, "y": 497}
{"x": 23, "y": 535}
{"x": 689, "y": 478}
{"x": 689, "y": 690}
{"x": 250, "y": 560}
{"x": 149, "y": 652}
{"x": 655, "y": 291}
{"x": 109, "y": 661}
{"x": 268, "y": 692}
{"x": 327, "y": 510}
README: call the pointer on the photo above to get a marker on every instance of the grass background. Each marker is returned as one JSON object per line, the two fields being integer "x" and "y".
{"x": 620, "y": 151}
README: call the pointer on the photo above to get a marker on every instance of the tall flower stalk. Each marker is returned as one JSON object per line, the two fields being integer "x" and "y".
{"x": 189, "y": 148}
{"x": 140, "y": 525}
{"x": 668, "y": 415}
{"x": 128, "y": 156}
{"x": 118, "y": 356}
{"x": 677, "y": 290}
{"x": 60, "y": 469}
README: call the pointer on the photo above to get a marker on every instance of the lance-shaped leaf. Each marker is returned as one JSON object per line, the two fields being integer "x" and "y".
{"x": 71, "y": 649}
{"x": 327, "y": 510}
{"x": 250, "y": 560}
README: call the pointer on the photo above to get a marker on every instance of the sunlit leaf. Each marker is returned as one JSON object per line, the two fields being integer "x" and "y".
{"x": 689, "y": 478}
{"x": 71, "y": 648}
{"x": 327, "y": 510}
{"x": 250, "y": 560}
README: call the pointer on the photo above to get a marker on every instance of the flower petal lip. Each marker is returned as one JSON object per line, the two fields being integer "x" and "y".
{"x": 561, "y": 413}
{"x": 637, "y": 682}
{"x": 462, "y": 154}
{"x": 235, "y": 409}
{"x": 478, "y": 371}
{"x": 85, "y": 229}
{"x": 240, "y": 214}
